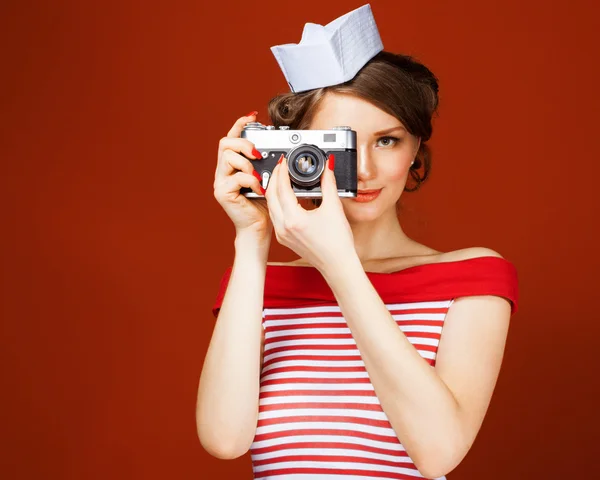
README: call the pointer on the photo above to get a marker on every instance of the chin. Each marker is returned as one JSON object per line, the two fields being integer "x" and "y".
{"x": 362, "y": 212}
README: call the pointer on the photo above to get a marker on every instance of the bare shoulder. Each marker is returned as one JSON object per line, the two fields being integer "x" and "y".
{"x": 468, "y": 253}
{"x": 429, "y": 256}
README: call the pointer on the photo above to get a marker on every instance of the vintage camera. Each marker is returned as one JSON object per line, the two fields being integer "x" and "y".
{"x": 306, "y": 152}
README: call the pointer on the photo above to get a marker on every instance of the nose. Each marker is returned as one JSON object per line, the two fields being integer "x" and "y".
{"x": 365, "y": 166}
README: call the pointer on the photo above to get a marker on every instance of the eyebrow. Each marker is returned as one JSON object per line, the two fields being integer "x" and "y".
{"x": 389, "y": 130}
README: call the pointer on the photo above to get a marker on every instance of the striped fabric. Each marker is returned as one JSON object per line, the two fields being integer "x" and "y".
{"x": 319, "y": 416}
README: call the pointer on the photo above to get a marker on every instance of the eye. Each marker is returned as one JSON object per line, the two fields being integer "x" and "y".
{"x": 389, "y": 141}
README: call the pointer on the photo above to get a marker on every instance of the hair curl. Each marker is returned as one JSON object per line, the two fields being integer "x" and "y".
{"x": 397, "y": 84}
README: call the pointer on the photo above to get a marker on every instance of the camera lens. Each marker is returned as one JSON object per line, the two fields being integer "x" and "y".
{"x": 306, "y": 164}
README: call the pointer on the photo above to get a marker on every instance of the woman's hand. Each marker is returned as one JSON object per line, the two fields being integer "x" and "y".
{"x": 321, "y": 236}
{"x": 235, "y": 171}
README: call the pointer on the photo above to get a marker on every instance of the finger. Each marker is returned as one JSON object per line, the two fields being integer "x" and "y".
{"x": 239, "y": 145}
{"x": 232, "y": 163}
{"x": 328, "y": 184}
{"x": 234, "y": 154}
{"x": 272, "y": 199}
{"x": 285, "y": 193}
{"x": 231, "y": 185}
{"x": 238, "y": 126}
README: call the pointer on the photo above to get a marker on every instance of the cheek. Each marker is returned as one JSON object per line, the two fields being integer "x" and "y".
{"x": 395, "y": 172}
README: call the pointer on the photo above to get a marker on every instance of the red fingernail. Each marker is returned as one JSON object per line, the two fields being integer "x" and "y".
{"x": 263, "y": 191}
{"x": 256, "y": 174}
{"x": 251, "y": 113}
{"x": 256, "y": 153}
{"x": 331, "y": 161}
{"x": 280, "y": 159}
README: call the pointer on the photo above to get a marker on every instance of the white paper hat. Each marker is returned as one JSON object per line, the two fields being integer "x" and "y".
{"x": 331, "y": 54}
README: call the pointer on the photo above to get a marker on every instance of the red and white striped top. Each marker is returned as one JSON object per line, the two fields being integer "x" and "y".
{"x": 319, "y": 417}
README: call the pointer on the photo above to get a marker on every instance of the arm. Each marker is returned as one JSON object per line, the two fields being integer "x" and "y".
{"x": 227, "y": 404}
{"x": 436, "y": 412}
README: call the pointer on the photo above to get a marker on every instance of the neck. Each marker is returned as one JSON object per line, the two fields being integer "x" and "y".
{"x": 382, "y": 238}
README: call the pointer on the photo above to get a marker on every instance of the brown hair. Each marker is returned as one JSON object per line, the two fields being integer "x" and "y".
{"x": 395, "y": 83}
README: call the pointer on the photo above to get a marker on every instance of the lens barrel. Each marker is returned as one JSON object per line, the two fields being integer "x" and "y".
{"x": 306, "y": 164}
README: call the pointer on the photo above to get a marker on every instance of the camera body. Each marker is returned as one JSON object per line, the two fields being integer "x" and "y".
{"x": 306, "y": 152}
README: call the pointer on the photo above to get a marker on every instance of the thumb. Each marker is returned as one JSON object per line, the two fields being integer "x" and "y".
{"x": 329, "y": 184}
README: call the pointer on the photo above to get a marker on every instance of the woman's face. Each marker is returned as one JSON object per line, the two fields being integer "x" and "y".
{"x": 385, "y": 151}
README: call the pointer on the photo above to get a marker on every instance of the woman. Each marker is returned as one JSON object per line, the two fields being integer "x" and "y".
{"x": 335, "y": 363}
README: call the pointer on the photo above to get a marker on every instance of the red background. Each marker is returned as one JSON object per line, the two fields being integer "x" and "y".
{"x": 113, "y": 245}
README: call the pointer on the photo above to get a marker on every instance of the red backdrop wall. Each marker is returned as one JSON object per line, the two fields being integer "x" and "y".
{"x": 113, "y": 245}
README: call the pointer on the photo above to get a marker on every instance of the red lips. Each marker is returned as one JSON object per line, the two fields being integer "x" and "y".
{"x": 369, "y": 191}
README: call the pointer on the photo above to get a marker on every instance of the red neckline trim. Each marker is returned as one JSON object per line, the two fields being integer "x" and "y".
{"x": 425, "y": 282}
